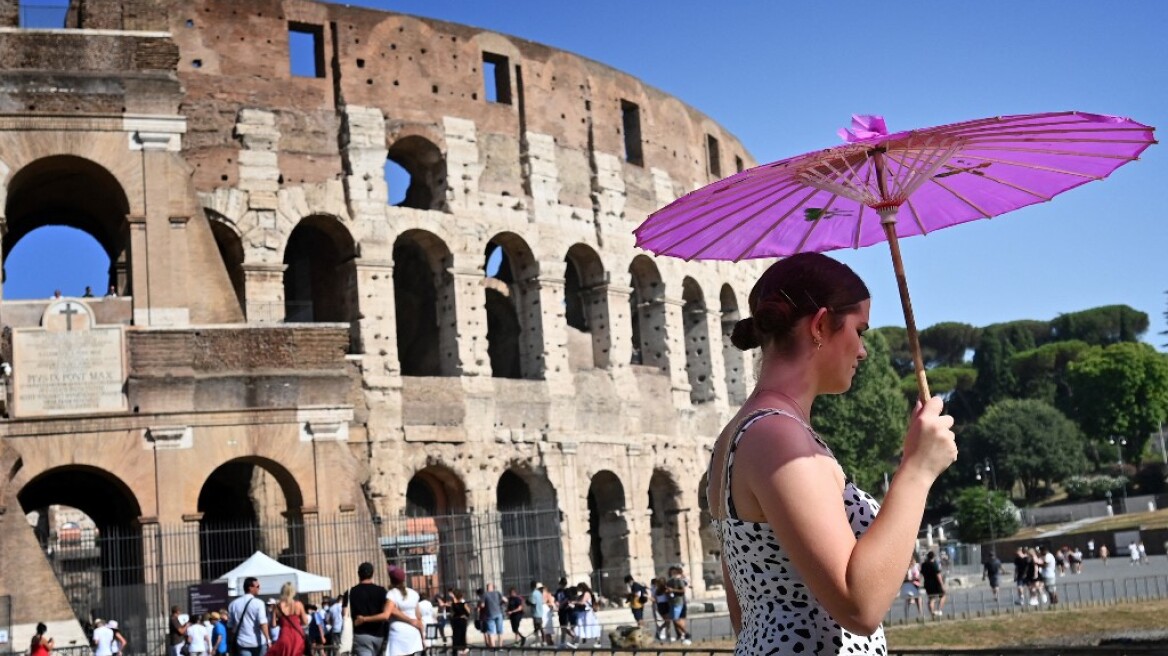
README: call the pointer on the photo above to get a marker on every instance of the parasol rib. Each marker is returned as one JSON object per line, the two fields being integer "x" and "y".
{"x": 963, "y": 199}
{"x": 732, "y": 230}
{"x": 774, "y": 225}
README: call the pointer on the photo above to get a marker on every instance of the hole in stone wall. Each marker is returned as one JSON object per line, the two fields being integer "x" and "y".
{"x": 360, "y": 63}
{"x": 738, "y": 164}
{"x": 306, "y": 50}
{"x": 197, "y": 63}
{"x": 631, "y": 121}
{"x": 496, "y": 78}
{"x": 713, "y": 158}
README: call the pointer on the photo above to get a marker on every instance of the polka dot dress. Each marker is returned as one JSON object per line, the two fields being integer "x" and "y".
{"x": 779, "y": 613}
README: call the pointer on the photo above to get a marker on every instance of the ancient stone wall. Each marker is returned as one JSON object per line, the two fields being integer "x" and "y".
{"x": 496, "y": 321}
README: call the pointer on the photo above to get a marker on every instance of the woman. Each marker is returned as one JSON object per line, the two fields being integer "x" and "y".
{"x": 198, "y": 637}
{"x": 289, "y": 615}
{"x": 587, "y": 620}
{"x": 459, "y": 618}
{"x": 516, "y": 607}
{"x": 549, "y": 617}
{"x": 809, "y": 567}
{"x": 41, "y": 644}
{"x": 429, "y": 623}
{"x": 663, "y": 610}
{"x": 910, "y": 589}
{"x": 405, "y": 637}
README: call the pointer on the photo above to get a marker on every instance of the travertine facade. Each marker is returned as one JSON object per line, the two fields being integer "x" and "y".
{"x": 283, "y": 313}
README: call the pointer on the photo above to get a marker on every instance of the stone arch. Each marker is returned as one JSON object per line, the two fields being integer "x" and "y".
{"x": 647, "y": 309}
{"x": 512, "y": 307}
{"x": 320, "y": 278}
{"x": 735, "y": 363}
{"x": 697, "y": 342}
{"x": 98, "y": 561}
{"x": 435, "y": 490}
{"x": 426, "y": 331}
{"x": 246, "y": 505}
{"x": 426, "y": 165}
{"x": 664, "y": 508}
{"x": 586, "y": 303}
{"x": 230, "y": 245}
{"x": 76, "y": 192}
{"x": 529, "y": 523}
{"x": 609, "y": 532}
{"x": 711, "y": 547}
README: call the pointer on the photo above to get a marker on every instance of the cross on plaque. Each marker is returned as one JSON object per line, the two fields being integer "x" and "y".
{"x": 69, "y": 311}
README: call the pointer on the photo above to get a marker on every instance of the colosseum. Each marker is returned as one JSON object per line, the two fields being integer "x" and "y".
{"x": 476, "y": 374}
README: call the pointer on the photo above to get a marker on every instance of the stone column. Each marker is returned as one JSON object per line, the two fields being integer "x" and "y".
{"x": 139, "y": 280}
{"x": 545, "y": 339}
{"x": 166, "y": 283}
{"x": 574, "y": 528}
{"x": 378, "y": 322}
{"x": 717, "y": 362}
{"x": 675, "y": 351}
{"x": 471, "y": 319}
{"x": 689, "y": 524}
{"x": 462, "y": 164}
{"x": 264, "y": 290}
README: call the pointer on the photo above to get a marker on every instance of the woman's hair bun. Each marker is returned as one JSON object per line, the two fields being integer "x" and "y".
{"x": 745, "y": 337}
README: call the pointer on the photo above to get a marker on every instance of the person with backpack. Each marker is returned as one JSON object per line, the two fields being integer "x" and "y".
{"x": 638, "y": 598}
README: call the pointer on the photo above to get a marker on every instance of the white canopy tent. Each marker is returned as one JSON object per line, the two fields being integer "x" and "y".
{"x": 272, "y": 575}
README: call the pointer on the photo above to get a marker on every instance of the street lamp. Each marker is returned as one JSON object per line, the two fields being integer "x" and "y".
{"x": 1119, "y": 443}
{"x": 987, "y": 468}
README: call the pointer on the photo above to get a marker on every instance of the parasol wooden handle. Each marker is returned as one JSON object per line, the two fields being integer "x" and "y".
{"x": 910, "y": 323}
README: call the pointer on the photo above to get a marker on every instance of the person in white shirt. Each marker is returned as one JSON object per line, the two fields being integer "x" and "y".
{"x": 248, "y": 618}
{"x": 103, "y": 639}
{"x": 429, "y": 621}
{"x": 198, "y": 637}
{"x": 1048, "y": 575}
{"x": 119, "y": 642}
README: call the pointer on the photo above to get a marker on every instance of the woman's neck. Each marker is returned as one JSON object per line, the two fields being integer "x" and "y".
{"x": 787, "y": 382}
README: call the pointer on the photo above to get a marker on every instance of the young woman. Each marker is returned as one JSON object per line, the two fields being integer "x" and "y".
{"x": 459, "y": 618}
{"x": 405, "y": 637}
{"x": 910, "y": 589}
{"x": 289, "y": 615}
{"x": 809, "y": 566}
{"x": 41, "y": 644}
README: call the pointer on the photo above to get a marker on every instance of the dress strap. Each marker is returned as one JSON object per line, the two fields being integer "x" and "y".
{"x": 728, "y": 504}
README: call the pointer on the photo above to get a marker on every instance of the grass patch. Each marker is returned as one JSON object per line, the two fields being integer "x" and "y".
{"x": 1082, "y": 625}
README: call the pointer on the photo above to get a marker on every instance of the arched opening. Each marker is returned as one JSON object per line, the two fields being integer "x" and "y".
{"x": 663, "y": 525}
{"x": 34, "y": 268}
{"x": 647, "y": 309}
{"x": 249, "y": 505}
{"x": 508, "y": 263}
{"x": 433, "y": 491}
{"x": 231, "y": 252}
{"x": 71, "y": 192}
{"x": 420, "y": 260}
{"x": 320, "y": 281}
{"x": 586, "y": 307}
{"x": 425, "y": 167}
{"x": 697, "y": 343}
{"x": 98, "y": 563}
{"x": 397, "y": 182}
{"x": 609, "y": 533}
{"x": 435, "y": 506}
{"x": 530, "y": 526}
{"x": 711, "y": 547}
{"x": 731, "y": 356}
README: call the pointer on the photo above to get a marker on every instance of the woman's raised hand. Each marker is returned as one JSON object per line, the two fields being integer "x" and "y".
{"x": 930, "y": 446}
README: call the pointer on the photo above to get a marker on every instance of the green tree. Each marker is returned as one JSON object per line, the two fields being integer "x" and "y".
{"x": 945, "y": 344}
{"x": 898, "y": 351}
{"x": 866, "y": 426}
{"x": 942, "y": 381}
{"x": 1041, "y": 373}
{"x": 998, "y": 344}
{"x": 1120, "y": 390}
{"x": 1101, "y": 326}
{"x": 1027, "y": 442}
{"x": 985, "y": 515}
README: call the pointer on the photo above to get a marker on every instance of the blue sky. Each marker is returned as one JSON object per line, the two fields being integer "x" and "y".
{"x": 784, "y": 76}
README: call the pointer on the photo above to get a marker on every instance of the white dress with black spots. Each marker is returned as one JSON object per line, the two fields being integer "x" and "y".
{"x": 779, "y": 613}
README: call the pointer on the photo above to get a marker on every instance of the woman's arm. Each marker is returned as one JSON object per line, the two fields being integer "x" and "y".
{"x": 731, "y": 599}
{"x": 799, "y": 489}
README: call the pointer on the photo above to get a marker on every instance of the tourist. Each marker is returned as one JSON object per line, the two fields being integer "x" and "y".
{"x": 316, "y": 633}
{"x": 1034, "y": 576}
{"x": 565, "y": 597}
{"x": 429, "y": 620}
{"x": 405, "y": 624}
{"x": 786, "y": 513}
{"x": 515, "y": 610}
{"x": 588, "y": 625}
{"x": 41, "y": 644}
{"x": 371, "y": 608}
{"x": 119, "y": 643}
{"x": 247, "y": 621}
{"x": 678, "y": 585}
{"x": 1021, "y": 563}
{"x": 663, "y": 611}
{"x": 290, "y": 616}
{"x": 1104, "y": 553}
{"x": 910, "y": 588}
{"x": 549, "y": 617}
{"x": 537, "y": 607}
{"x": 934, "y": 579}
{"x": 334, "y": 619}
{"x": 638, "y": 596}
{"x": 218, "y": 634}
{"x": 176, "y": 633}
{"x": 442, "y": 606}
{"x": 1049, "y": 575}
{"x": 992, "y": 572}
{"x": 104, "y": 639}
{"x": 198, "y": 637}
{"x": 459, "y": 619}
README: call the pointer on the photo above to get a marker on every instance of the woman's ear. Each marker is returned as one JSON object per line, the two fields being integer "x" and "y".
{"x": 819, "y": 325}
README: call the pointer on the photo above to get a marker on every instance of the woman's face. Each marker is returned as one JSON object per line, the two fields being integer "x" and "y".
{"x": 844, "y": 349}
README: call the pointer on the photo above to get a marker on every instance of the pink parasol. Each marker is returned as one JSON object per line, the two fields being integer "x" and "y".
{"x": 881, "y": 187}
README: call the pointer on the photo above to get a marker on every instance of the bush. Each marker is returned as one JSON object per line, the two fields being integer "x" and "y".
{"x": 1092, "y": 487}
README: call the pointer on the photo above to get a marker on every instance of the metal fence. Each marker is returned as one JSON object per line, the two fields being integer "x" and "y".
{"x": 135, "y": 574}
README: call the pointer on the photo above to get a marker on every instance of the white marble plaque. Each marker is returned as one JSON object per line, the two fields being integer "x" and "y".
{"x": 70, "y": 367}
